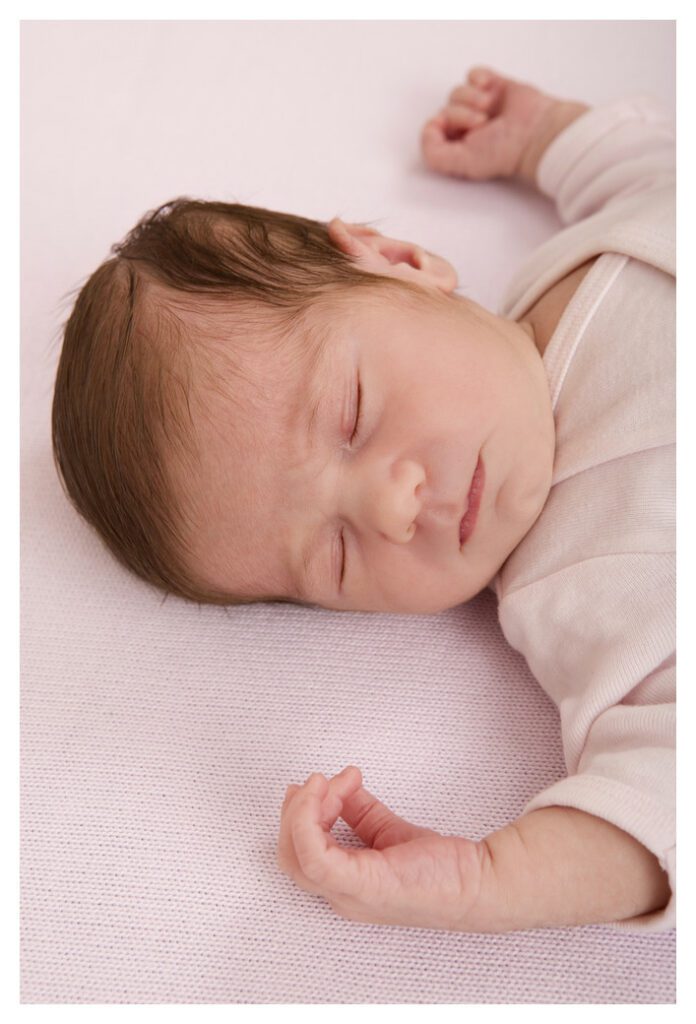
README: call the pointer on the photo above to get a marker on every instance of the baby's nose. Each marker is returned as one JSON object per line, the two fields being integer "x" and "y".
{"x": 395, "y": 502}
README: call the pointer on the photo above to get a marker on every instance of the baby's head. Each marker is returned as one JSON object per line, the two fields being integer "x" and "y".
{"x": 253, "y": 406}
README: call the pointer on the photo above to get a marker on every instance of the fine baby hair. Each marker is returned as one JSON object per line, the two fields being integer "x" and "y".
{"x": 140, "y": 339}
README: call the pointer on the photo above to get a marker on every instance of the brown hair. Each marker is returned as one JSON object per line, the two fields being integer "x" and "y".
{"x": 123, "y": 378}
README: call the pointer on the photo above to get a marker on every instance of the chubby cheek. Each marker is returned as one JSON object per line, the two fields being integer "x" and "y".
{"x": 401, "y": 584}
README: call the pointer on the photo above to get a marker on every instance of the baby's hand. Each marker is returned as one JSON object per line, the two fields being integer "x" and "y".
{"x": 487, "y": 127}
{"x": 408, "y": 875}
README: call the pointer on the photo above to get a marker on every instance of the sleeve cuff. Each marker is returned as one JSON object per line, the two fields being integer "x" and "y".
{"x": 589, "y": 130}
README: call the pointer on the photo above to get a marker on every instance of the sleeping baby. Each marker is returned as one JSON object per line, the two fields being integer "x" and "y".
{"x": 254, "y": 406}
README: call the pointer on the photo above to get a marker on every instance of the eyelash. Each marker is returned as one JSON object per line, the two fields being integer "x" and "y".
{"x": 354, "y": 435}
{"x": 343, "y": 560}
{"x": 356, "y": 429}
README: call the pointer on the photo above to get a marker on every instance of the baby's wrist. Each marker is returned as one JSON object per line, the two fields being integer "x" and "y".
{"x": 555, "y": 119}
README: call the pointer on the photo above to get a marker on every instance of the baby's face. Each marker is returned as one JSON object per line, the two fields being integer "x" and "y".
{"x": 357, "y": 503}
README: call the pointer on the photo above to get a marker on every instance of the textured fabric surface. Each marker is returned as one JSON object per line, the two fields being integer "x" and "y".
{"x": 157, "y": 739}
{"x": 157, "y": 746}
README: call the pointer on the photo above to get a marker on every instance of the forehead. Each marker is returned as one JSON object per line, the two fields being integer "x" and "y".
{"x": 305, "y": 371}
{"x": 258, "y": 365}
{"x": 249, "y": 407}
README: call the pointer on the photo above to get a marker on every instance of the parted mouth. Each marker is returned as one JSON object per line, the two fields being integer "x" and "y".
{"x": 468, "y": 520}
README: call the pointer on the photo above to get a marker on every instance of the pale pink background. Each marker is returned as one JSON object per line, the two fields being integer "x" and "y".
{"x": 157, "y": 739}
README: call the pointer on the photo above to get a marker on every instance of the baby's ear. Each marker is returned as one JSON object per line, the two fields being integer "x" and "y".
{"x": 377, "y": 254}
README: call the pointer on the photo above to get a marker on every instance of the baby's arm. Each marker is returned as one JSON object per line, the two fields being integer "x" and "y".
{"x": 559, "y": 866}
{"x": 554, "y": 867}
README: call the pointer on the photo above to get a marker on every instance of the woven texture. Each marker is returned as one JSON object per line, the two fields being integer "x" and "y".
{"x": 157, "y": 739}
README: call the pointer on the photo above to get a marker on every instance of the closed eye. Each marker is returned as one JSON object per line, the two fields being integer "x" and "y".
{"x": 343, "y": 560}
{"x": 353, "y": 437}
{"x": 358, "y": 413}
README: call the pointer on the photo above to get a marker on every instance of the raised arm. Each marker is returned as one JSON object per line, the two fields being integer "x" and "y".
{"x": 495, "y": 127}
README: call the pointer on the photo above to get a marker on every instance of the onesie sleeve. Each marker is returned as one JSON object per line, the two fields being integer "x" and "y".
{"x": 607, "y": 155}
{"x": 600, "y": 638}
{"x": 588, "y": 597}
{"x": 611, "y": 175}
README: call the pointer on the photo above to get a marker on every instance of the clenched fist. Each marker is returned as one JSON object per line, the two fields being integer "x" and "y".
{"x": 494, "y": 126}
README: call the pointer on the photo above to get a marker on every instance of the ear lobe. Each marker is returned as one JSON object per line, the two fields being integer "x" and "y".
{"x": 377, "y": 254}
